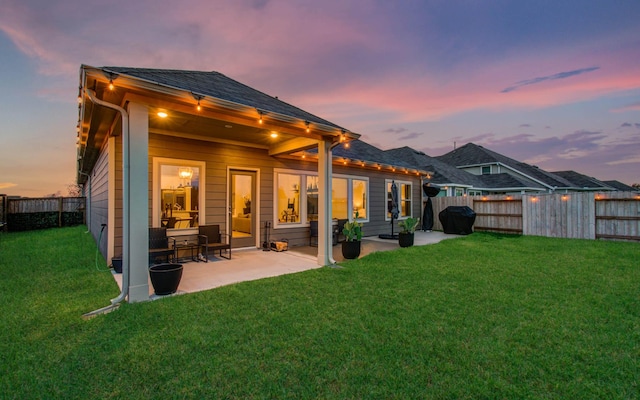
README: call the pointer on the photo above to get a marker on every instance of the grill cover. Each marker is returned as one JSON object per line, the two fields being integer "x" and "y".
{"x": 457, "y": 220}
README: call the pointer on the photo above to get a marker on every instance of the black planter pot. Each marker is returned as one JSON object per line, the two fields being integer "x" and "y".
{"x": 351, "y": 250}
{"x": 165, "y": 278}
{"x": 405, "y": 239}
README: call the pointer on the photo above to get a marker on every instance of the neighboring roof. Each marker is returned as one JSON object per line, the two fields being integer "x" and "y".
{"x": 506, "y": 181}
{"x": 582, "y": 181}
{"x": 471, "y": 154}
{"x": 219, "y": 86}
{"x": 443, "y": 173}
{"x": 621, "y": 186}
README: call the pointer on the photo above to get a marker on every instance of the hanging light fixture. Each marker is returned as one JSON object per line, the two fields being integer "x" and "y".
{"x": 260, "y": 120}
{"x": 307, "y": 124}
{"x": 185, "y": 173}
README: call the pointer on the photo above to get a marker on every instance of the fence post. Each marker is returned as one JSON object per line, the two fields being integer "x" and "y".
{"x": 60, "y": 212}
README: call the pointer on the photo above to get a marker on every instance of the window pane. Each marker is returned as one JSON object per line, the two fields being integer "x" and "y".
{"x": 312, "y": 198}
{"x": 339, "y": 199}
{"x": 179, "y": 196}
{"x": 288, "y": 207}
{"x": 360, "y": 198}
{"x": 405, "y": 200}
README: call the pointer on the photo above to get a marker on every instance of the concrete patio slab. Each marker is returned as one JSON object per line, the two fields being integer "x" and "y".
{"x": 252, "y": 264}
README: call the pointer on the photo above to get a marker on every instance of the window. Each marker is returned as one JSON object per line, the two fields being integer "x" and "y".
{"x": 349, "y": 194}
{"x": 288, "y": 198}
{"x": 459, "y": 192}
{"x": 486, "y": 170}
{"x": 177, "y": 198}
{"x": 339, "y": 199}
{"x": 474, "y": 192}
{"x": 312, "y": 198}
{"x": 404, "y": 199}
{"x": 359, "y": 205}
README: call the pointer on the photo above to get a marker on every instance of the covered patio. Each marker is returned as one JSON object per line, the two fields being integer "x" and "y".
{"x": 253, "y": 264}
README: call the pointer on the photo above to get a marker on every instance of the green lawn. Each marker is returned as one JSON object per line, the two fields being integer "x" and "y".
{"x": 484, "y": 316}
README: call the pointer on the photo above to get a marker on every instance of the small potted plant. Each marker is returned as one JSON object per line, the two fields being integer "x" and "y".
{"x": 352, "y": 232}
{"x": 408, "y": 227}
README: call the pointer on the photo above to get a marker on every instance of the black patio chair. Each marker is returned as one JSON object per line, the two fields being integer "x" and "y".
{"x": 159, "y": 245}
{"x": 210, "y": 238}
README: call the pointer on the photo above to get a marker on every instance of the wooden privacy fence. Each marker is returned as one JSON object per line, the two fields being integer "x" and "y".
{"x": 585, "y": 215}
{"x": 47, "y": 212}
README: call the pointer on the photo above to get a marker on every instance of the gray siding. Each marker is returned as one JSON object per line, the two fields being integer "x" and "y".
{"x": 99, "y": 198}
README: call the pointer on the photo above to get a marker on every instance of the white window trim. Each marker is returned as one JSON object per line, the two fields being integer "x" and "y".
{"x": 303, "y": 195}
{"x": 386, "y": 194}
{"x": 155, "y": 209}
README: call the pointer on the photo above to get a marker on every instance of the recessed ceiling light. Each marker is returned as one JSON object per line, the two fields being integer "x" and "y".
{"x": 274, "y": 134}
{"x": 162, "y": 114}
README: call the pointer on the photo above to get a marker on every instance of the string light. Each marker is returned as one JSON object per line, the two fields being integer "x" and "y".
{"x": 198, "y": 106}
{"x": 80, "y": 95}
{"x": 307, "y": 124}
{"x": 111, "y": 87}
{"x": 260, "y": 120}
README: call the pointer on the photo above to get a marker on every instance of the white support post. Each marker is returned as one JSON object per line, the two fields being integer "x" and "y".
{"x": 325, "y": 227}
{"x": 138, "y": 201}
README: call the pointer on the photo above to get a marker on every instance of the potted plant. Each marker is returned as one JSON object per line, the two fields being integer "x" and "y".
{"x": 352, "y": 232}
{"x": 408, "y": 227}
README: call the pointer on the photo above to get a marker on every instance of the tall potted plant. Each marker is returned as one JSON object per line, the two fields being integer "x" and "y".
{"x": 352, "y": 232}
{"x": 408, "y": 228}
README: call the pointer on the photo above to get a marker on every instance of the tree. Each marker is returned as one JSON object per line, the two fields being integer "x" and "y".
{"x": 636, "y": 185}
{"x": 74, "y": 190}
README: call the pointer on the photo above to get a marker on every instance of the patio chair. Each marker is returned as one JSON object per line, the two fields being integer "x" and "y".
{"x": 210, "y": 238}
{"x": 159, "y": 245}
{"x": 313, "y": 233}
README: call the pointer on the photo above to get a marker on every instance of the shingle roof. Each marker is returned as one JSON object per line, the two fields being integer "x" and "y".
{"x": 219, "y": 86}
{"x": 582, "y": 181}
{"x": 472, "y": 154}
{"x": 504, "y": 180}
{"x": 621, "y": 186}
{"x": 443, "y": 173}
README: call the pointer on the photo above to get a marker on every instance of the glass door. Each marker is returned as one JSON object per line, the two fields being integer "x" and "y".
{"x": 243, "y": 205}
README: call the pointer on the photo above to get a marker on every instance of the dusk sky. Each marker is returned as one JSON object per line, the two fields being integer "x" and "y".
{"x": 552, "y": 83}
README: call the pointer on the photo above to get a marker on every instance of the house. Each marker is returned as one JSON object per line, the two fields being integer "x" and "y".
{"x": 497, "y": 170}
{"x": 182, "y": 149}
{"x": 459, "y": 182}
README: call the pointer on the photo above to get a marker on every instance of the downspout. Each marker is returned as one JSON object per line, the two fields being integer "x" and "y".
{"x": 125, "y": 200}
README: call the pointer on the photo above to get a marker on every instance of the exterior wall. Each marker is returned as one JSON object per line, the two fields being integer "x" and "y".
{"x": 220, "y": 156}
{"x": 99, "y": 198}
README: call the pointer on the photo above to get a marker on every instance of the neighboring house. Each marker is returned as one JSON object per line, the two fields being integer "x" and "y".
{"x": 527, "y": 178}
{"x": 459, "y": 182}
{"x": 186, "y": 148}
